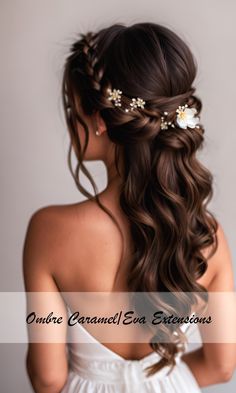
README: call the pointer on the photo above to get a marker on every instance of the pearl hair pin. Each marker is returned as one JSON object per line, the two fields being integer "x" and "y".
{"x": 115, "y": 95}
{"x": 165, "y": 124}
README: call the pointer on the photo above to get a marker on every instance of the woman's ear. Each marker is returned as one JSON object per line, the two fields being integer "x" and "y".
{"x": 100, "y": 123}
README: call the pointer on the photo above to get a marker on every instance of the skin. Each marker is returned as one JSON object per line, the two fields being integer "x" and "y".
{"x": 54, "y": 261}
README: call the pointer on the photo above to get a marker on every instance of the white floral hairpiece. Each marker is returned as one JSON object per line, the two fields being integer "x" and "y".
{"x": 137, "y": 103}
{"x": 185, "y": 118}
{"x": 115, "y": 95}
{"x": 185, "y": 115}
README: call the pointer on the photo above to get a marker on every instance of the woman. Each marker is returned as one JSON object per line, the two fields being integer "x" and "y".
{"x": 129, "y": 101}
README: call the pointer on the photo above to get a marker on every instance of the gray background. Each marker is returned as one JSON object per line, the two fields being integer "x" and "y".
{"x": 34, "y": 40}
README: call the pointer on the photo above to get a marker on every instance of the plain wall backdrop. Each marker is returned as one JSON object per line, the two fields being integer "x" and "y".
{"x": 35, "y": 37}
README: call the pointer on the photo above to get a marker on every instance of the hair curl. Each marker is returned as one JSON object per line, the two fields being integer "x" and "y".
{"x": 166, "y": 189}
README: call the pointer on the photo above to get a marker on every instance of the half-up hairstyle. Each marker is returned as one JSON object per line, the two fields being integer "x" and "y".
{"x": 165, "y": 190}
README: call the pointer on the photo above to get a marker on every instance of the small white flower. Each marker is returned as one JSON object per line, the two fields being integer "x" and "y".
{"x": 140, "y": 103}
{"x": 186, "y": 117}
{"x": 137, "y": 103}
{"x": 115, "y": 95}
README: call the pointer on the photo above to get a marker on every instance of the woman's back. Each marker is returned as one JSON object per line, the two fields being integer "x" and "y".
{"x": 89, "y": 254}
{"x": 90, "y": 258}
{"x": 86, "y": 254}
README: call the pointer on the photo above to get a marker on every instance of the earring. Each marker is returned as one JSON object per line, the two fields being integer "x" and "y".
{"x": 97, "y": 133}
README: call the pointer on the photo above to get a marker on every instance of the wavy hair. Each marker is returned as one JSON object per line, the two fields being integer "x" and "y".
{"x": 165, "y": 190}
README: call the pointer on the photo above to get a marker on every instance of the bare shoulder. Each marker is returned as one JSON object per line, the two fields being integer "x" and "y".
{"x": 46, "y": 227}
{"x": 53, "y": 219}
{"x": 79, "y": 235}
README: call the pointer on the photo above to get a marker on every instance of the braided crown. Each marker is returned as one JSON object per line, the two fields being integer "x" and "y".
{"x": 185, "y": 116}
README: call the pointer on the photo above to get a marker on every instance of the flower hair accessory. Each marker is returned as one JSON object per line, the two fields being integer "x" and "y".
{"x": 185, "y": 116}
{"x": 115, "y": 95}
{"x": 137, "y": 103}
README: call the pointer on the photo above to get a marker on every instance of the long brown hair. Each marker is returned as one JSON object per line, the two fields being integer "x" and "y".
{"x": 166, "y": 189}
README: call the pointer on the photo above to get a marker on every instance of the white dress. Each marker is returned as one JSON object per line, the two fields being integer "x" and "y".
{"x": 94, "y": 368}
